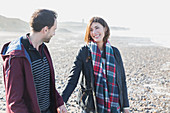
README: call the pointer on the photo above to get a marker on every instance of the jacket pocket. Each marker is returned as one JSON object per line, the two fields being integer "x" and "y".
{"x": 85, "y": 100}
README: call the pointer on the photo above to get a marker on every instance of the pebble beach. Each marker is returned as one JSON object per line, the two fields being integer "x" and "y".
{"x": 147, "y": 69}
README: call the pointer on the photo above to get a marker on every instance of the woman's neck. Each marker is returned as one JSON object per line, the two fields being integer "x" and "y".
{"x": 100, "y": 46}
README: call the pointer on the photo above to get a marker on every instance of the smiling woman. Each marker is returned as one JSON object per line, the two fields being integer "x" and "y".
{"x": 103, "y": 84}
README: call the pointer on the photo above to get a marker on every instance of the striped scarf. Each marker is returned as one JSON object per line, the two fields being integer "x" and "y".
{"x": 105, "y": 79}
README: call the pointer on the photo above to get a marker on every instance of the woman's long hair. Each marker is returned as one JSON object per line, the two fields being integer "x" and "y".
{"x": 88, "y": 38}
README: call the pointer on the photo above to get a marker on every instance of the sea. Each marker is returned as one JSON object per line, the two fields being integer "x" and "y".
{"x": 157, "y": 39}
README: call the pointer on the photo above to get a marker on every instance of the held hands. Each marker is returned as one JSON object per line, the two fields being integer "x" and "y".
{"x": 62, "y": 109}
{"x": 126, "y": 111}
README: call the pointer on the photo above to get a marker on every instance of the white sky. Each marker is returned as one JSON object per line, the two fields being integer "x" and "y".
{"x": 142, "y": 15}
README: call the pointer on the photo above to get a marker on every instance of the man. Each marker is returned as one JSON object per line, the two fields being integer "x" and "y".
{"x": 28, "y": 69}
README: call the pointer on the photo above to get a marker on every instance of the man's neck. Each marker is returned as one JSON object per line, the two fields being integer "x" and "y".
{"x": 35, "y": 39}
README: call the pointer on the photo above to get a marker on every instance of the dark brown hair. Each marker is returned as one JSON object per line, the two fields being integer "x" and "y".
{"x": 88, "y": 38}
{"x": 42, "y": 18}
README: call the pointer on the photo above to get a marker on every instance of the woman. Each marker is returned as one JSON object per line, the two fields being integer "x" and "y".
{"x": 103, "y": 84}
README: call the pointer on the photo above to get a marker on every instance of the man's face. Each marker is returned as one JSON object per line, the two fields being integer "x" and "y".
{"x": 51, "y": 32}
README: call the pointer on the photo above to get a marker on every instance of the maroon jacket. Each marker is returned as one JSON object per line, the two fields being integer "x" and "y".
{"x": 19, "y": 84}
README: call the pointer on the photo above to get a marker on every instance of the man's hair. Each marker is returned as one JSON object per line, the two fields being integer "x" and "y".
{"x": 42, "y": 18}
{"x": 88, "y": 38}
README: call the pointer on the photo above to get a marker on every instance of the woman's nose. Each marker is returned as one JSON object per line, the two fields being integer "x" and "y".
{"x": 94, "y": 31}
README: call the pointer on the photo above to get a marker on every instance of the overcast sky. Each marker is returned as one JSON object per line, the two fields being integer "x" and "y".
{"x": 142, "y": 15}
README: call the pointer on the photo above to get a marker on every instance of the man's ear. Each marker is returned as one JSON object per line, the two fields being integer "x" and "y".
{"x": 45, "y": 29}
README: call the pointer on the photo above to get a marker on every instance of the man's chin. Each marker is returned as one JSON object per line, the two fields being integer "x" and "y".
{"x": 47, "y": 41}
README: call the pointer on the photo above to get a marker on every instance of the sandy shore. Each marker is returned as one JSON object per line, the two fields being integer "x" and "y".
{"x": 147, "y": 70}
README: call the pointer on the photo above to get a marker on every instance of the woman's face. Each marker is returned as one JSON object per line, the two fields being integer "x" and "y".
{"x": 97, "y": 32}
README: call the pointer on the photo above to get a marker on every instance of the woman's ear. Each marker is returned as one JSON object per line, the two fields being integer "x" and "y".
{"x": 105, "y": 29}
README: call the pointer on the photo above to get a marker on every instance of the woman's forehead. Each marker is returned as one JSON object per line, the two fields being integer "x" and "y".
{"x": 95, "y": 24}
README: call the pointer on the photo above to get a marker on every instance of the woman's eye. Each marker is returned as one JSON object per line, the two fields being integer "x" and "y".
{"x": 97, "y": 27}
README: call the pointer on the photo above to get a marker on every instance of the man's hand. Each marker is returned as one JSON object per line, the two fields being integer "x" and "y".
{"x": 62, "y": 109}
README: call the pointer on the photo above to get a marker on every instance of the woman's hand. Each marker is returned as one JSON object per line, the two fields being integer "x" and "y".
{"x": 126, "y": 111}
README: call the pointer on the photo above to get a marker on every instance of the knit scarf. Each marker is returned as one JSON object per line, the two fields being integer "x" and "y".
{"x": 105, "y": 79}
